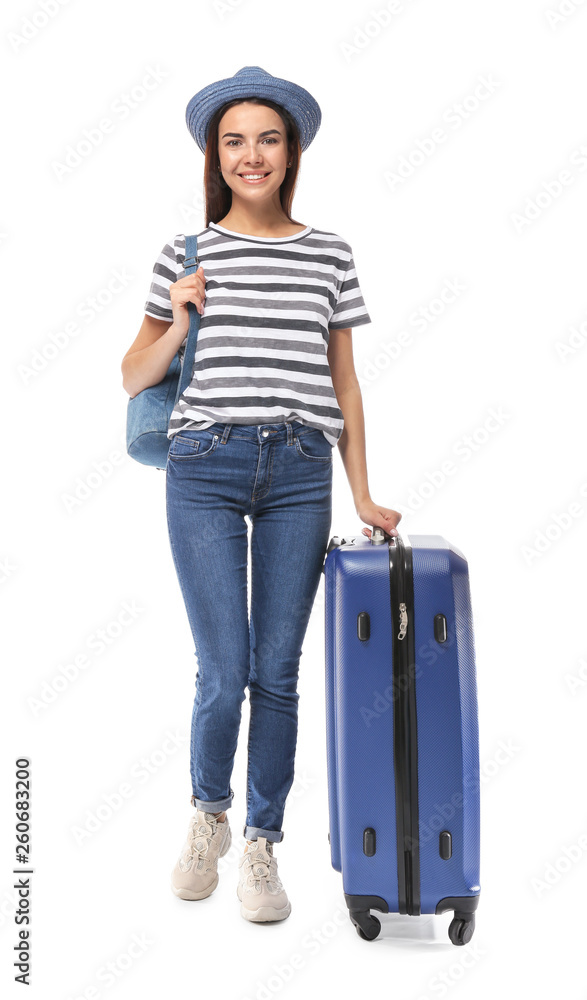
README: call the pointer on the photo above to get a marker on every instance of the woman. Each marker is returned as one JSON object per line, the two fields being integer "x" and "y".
{"x": 273, "y": 389}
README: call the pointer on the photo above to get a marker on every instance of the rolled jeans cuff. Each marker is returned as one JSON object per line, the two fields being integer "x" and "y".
{"x": 213, "y": 807}
{"x": 252, "y": 832}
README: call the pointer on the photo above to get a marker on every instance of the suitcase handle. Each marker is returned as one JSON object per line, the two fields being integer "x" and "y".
{"x": 380, "y": 535}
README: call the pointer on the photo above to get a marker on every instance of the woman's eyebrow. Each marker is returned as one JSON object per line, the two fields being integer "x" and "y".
{"x": 239, "y": 135}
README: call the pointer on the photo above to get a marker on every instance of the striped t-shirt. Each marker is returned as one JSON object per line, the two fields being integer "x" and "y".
{"x": 263, "y": 336}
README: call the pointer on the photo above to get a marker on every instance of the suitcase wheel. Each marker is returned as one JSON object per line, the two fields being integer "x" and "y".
{"x": 461, "y": 930}
{"x": 368, "y": 926}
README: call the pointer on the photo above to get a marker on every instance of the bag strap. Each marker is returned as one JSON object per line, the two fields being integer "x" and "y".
{"x": 191, "y": 265}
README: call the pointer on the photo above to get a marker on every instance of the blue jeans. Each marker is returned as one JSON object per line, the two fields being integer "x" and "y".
{"x": 280, "y": 475}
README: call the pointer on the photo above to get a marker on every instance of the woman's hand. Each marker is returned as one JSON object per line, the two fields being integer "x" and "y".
{"x": 192, "y": 288}
{"x": 380, "y": 517}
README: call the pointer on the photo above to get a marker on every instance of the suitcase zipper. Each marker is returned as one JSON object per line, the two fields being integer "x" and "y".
{"x": 405, "y": 731}
{"x": 403, "y": 621}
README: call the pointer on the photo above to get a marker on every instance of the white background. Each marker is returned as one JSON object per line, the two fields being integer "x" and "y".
{"x": 475, "y": 210}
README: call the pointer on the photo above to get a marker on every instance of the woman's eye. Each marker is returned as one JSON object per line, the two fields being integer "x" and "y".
{"x": 267, "y": 139}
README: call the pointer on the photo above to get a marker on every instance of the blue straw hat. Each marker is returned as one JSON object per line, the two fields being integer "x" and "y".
{"x": 252, "y": 81}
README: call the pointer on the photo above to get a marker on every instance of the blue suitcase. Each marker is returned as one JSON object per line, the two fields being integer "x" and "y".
{"x": 402, "y": 729}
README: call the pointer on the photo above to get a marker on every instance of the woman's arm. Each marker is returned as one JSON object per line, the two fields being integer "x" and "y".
{"x": 348, "y": 393}
{"x": 352, "y": 440}
{"x": 157, "y": 342}
{"x": 149, "y": 356}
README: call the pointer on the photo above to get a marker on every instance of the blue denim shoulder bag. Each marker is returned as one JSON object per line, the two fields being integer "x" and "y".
{"x": 149, "y": 412}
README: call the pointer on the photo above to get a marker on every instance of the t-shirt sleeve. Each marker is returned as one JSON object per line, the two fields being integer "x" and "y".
{"x": 166, "y": 270}
{"x": 350, "y": 309}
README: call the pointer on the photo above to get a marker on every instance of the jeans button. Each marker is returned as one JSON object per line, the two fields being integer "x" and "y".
{"x": 264, "y": 433}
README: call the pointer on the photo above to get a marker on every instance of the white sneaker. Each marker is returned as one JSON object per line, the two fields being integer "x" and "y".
{"x": 260, "y": 889}
{"x": 195, "y": 875}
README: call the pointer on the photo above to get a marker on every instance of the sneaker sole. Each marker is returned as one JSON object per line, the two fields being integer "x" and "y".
{"x": 264, "y": 914}
{"x": 189, "y": 893}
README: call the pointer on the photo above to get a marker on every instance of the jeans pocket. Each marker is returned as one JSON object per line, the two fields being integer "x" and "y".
{"x": 196, "y": 445}
{"x": 314, "y": 447}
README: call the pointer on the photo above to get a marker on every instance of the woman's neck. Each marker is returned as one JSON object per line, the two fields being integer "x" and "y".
{"x": 250, "y": 225}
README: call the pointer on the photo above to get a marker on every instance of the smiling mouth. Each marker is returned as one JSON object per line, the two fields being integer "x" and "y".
{"x": 253, "y": 178}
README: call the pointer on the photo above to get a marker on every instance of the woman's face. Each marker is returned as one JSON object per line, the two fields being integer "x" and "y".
{"x": 252, "y": 140}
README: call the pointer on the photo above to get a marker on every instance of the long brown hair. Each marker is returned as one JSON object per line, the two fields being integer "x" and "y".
{"x": 217, "y": 193}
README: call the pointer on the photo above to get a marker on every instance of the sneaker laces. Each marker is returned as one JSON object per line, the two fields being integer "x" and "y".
{"x": 200, "y": 837}
{"x": 261, "y": 868}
